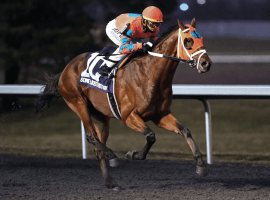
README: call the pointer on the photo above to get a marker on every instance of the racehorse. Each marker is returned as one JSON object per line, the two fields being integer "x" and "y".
{"x": 143, "y": 90}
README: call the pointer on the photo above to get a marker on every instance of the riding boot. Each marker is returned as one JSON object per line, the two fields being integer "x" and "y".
{"x": 104, "y": 70}
{"x": 108, "y": 64}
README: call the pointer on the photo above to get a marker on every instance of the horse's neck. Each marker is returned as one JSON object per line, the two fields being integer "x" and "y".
{"x": 165, "y": 68}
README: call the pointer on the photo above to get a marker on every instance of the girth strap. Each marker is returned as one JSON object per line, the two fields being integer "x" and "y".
{"x": 113, "y": 105}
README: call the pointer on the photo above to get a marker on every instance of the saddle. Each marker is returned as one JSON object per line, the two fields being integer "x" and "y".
{"x": 90, "y": 76}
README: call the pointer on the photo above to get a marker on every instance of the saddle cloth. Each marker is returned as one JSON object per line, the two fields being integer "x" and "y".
{"x": 90, "y": 76}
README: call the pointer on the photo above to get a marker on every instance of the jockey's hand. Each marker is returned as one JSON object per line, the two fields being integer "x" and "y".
{"x": 146, "y": 47}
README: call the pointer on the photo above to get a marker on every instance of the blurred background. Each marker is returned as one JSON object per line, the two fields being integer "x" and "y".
{"x": 43, "y": 36}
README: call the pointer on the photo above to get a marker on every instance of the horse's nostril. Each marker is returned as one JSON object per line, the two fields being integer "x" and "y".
{"x": 205, "y": 64}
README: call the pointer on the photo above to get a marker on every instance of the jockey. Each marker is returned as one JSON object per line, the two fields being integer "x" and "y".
{"x": 127, "y": 29}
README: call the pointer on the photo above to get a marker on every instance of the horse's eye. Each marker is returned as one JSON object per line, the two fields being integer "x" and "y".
{"x": 188, "y": 43}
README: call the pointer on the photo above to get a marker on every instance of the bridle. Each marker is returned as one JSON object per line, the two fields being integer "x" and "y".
{"x": 201, "y": 52}
{"x": 192, "y": 62}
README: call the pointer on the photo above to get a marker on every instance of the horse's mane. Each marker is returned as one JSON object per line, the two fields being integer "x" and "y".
{"x": 165, "y": 34}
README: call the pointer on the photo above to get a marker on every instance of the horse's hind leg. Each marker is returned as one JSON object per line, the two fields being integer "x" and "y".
{"x": 136, "y": 123}
{"x": 101, "y": 126}
{"x": 81, "y": 108}
{"x": 96, "y": 137}
{"x": 170, "y": 123}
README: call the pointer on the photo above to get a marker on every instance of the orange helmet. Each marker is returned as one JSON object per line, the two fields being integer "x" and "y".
{"x": 152, "y": 14}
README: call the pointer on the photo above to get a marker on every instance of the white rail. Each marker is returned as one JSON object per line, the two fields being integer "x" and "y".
{"x": 240, "y": 59}
{"x": 219, "y": 91}
{"x": 201, "y": 92}
{"x": 20, "y": 89}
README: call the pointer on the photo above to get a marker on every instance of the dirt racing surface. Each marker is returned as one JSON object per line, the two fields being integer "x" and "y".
{"x": 72, "y": 178}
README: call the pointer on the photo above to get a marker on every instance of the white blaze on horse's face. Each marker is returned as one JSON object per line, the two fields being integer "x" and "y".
{"x": 195, "y": 52}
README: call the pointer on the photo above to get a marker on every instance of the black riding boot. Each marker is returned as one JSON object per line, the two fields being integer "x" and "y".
{"x": 104, "y": 70}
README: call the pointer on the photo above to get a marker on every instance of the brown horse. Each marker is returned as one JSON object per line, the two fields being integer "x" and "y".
{"x": 143, "y": 92}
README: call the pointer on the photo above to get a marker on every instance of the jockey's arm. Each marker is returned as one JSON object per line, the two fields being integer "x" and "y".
{"x": 126, "y": 46}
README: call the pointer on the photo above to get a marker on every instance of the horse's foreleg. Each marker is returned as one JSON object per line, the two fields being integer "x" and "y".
{"x": 136, "y": 123}
{"x": 170, "y": 123}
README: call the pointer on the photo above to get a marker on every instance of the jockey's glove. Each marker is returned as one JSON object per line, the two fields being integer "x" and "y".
{"x": 146, "y": 47}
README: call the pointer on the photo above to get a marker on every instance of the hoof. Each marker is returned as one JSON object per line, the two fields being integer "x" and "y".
{"x": 117, "y": 188}
{"x": 202, "y": 171}
{"x": 130, "y": 155}
{"x": 114, "y": 162}
{"x": 113, "y": 187}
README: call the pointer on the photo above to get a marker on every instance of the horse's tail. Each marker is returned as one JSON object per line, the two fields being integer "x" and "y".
{"x": 50, "y": 91}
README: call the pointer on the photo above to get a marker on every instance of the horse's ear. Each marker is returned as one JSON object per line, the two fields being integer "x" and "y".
{"x": 193, "y": 23}
{"x": 181, "y": 25}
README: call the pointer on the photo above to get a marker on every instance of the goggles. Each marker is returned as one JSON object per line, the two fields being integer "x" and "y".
{"x": 153, "y": 24}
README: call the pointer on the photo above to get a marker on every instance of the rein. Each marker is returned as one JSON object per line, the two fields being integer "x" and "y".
{"x": 170, "y": 57}
{"x": 192, "y": 62}
{"x": 158, "y": 55}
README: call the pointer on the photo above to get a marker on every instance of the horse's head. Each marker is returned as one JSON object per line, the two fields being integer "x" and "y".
{"x": 190, "y": 47}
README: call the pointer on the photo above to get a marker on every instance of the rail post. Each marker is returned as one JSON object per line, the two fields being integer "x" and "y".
{"x": 84, "y": 143}
{"x": 208, "y": 129}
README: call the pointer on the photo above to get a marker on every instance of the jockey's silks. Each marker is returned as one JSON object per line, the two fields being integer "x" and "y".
{"x": 134, "y": 30}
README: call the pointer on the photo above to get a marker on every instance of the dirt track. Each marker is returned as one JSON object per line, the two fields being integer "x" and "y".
{"x": 70, "y": 178}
